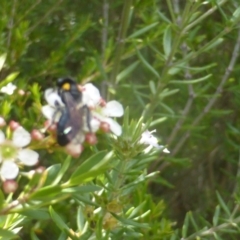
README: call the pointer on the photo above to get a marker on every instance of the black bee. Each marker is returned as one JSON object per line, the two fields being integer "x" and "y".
{"x": 74, "y": 115}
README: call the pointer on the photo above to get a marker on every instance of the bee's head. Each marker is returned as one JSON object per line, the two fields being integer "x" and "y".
{"x": 70, "y": 86}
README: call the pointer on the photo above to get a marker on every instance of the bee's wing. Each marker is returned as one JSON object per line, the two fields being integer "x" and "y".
{"x": 73, "y": 117}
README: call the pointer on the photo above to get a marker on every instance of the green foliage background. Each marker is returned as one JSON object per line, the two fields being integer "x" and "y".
{"x": 175, "y": 65}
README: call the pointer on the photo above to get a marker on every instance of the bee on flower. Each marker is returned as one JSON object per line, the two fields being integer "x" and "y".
{"x": 78, "y": 113}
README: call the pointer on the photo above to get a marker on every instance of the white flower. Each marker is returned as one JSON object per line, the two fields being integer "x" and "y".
{"x": 92, "y": 98}
{"x": 103, "y": 114}
{"x": 8, "y": 89}
{"x": 54, "y": 101}
{"x": 148, "y": 139}
{"x": 12, "y": 153}
{"x": 91, "y": 95}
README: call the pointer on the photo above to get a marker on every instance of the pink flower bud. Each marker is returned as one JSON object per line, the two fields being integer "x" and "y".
{"x": 21, "y": 92}
{"x": 105, "y": 127}
{"x": 91, "y": 138}
{"x": 102, "y": 102}
{"x": 37, "y": 135}
{"x": 74, "y": 150}
{"x": 10, "y": 186}
{"x": 13, "y": 125}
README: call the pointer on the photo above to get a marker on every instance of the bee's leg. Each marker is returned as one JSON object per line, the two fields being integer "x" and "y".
{"x": 88, "y": 117}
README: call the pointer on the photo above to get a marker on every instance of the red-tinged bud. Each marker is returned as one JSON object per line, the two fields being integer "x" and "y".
{"x": 50, "y": 126}
{"x": 10, "y": 186}
{"x": 2, "y": 122}
{"x": 21, "y": 92}
{"x": 37, "y": 135}
{"x": 74, "y": 150}
{"x": 102, "y": 102}
{"x": 40, "y": 169}
{"x": 91, "y": 138}
{"x": 13, "y": 125}
{"x": 105, "y": 127}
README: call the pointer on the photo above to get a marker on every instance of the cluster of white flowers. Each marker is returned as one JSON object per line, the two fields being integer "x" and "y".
{"x": 14, "y": 154}
{"x": 101, "y": 113}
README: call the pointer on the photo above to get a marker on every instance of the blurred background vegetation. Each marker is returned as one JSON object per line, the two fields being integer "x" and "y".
{"x": 173, "y": 62}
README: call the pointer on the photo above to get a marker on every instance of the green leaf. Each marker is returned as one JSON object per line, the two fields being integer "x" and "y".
{"x": 166, "y": 92}
{"x": 197, "y": 69}
{"x": 193, "y": 222}
{"x": 223, "y": 205}
{"x": 6, "y": 234}
{"x": 2, "y": 60}
{"x": 167, "y": 41}
{"x": 152, "y": 87}
{"x": 136, "y": 210}
{"x": 163, "y": 17}
{"x": 216, "y": 236}
{"x": 157, "y": 121}
{"x": 213, "y": 44}
{"x": 58, "y": 220}
{"x": 81, "y": 198}
{"x": 143, "y": 30}
{"x": 147, "y": 65}
{"x": 38, "y": 214}
{"x": 80, "y": 219}
{"x": 129, "y": 222}
{"x": 235, "y": 17}
{"x": 143, "y": 215}
{"x": 52, "y": 173}
{"x": 46, "y": 192}
{"x": 82, "y": 189}
{"x": 86, "y": 235}
{"x": 63, "y": 236}
{"x": 216, "y": 216}
{"x": 185, "y": 226}
{"x": 163, "y": 182}
{"x": 167, "y": 108}
{"x": 125, "y": 121}
{"x": 8, "y": 79}
{"x": 63, "y": 169}
{"x": 2, "y": 198}
{"x": 193, "y": 81}
{"x": 126, "y": 71}
{"x": 92, "y": 167}
{"x": 33, "y": 235}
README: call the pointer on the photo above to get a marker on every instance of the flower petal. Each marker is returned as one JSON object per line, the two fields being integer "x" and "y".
{"x": 53, "y": 98}
{"x": 9, "y": 170}
{"x": 21, "y": 137}
{"x": 91, "y": 95}
{"x": 28, "y": 157}
{"x": 8, "y": 89}
{"x": 114, "y": 126}
{"x": 2, "y": 137}
{"x": 148, "y": 138}
{"x": 48, "y": 111}
{"x": 113, "y": 109}
{"x": 95, "y": 124}
{"x": 165, "y": 150}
